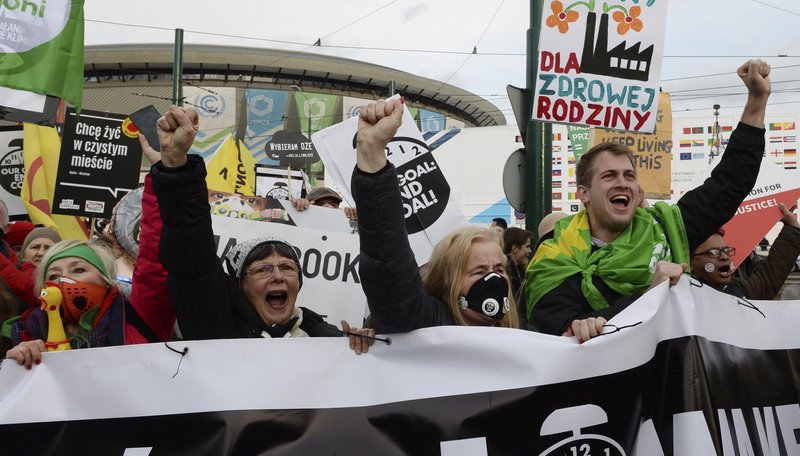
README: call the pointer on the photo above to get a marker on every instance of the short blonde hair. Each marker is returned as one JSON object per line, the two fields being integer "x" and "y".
{"x": 447, "y": 266}
{"x": 102, "y": 252}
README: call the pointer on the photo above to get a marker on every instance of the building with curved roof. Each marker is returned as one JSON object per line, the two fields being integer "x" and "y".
{"x": 119, "y": 77}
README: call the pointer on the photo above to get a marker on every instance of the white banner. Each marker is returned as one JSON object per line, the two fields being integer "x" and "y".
{"x": 689, "y": 372}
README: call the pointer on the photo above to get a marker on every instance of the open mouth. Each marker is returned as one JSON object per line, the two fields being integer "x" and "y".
{"x": 725, "y": 270}
{"x": 277, "y": 298}
{"x": 620, "y": 201}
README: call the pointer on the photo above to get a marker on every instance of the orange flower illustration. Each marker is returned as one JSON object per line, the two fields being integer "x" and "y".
{"x": 629, "y": 21}
{"x": 560, "y": 17}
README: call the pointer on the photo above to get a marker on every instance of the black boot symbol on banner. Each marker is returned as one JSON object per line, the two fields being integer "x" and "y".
{"x": 574, "y": 419}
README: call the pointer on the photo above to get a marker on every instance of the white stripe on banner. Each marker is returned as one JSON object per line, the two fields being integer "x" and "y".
{"x": 623, "y": 392}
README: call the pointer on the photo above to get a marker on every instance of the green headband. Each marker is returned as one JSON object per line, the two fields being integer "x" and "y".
{"x": 83, "y": 252}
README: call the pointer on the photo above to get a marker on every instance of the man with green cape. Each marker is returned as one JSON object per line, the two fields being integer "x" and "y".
{"x": 603, "y": 258}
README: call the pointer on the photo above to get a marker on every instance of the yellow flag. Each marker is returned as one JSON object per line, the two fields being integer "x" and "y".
{"x": 41, "y": 149}
{"x": 232, "y": 169}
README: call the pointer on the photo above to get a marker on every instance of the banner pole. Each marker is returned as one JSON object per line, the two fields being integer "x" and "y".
{"x": 289, "y": 181}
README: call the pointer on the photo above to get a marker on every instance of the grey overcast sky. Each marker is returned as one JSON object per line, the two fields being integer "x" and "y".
{"x": 703, "y": 37}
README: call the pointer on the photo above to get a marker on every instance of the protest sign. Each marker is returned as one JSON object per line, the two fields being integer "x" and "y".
{"x": 652, "y": 153}
{"x": 281, "y": 183}
{"x": 759, "y": 211}
{"x": 662, "y": 385}
{"x": 430, "y": 210}
{"x": 99, "y": 162}
{"x": 599, "y": 64}
{"x": 12, "y": 170}
{"x": 291, "y": 149}
{"x": 578, "y": 140}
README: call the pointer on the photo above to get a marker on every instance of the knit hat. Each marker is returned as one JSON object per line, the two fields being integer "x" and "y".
{"x": 16, "y": 232}
{"x": 84, "y": 252}
{"x": 43, "y": 232}
{"x": 322, "y": 193}
{"x": 239, "y": 255}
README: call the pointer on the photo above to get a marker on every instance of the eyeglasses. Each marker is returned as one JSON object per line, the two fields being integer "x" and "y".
{"x": 265, "y": 270}
{"x": 715, "y": 253}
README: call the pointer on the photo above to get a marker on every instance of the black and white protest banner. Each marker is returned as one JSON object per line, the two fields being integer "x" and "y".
{"x": 99, "y": 162}
{"x": 329, "y": 256}
{"x": 12, "y": 170}
{"x": 683, "y": 371}
{"x": 431, "y": 212}
{"x": 281, "y": 183}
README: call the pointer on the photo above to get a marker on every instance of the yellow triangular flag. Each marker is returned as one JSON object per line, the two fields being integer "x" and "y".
{"x": 232, "y": 169}
{"x": 41, "y": 149}
{"x": 248, "y": 163}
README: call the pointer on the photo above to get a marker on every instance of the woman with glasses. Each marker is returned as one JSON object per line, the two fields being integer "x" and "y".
{"x": 257, "y": 297}
{"x": 713, "y": 263}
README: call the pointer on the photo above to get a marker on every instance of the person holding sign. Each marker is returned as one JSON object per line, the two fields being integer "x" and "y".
{"x": 465, "y": 282}
{"x": 603, "y": 258}
{"x": 712, "y": 263}
{"x": 257, "y": 297}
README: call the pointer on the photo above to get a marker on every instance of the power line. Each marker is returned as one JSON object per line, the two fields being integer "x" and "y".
{"x": 728, "y": 87}
{"x": 411, "y": 50}
{"x": 776, "y": 7}
{"x": 475, "y": 47}
{"x": 720, "y": 74}
{"x": 360, "y": 18}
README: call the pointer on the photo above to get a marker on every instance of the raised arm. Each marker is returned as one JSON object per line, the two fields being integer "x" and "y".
{"x": 199, "y": 290}
{"x": 397, "y": 298}
{"x": 709, "y": 206}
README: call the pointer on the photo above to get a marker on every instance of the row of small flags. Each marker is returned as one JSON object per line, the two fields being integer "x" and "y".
{"x": 557, "y": 183}
{"x": 708, "y": 130}
{"x": 785, "y": 152}
{"x": 778, "y": 126}
{"x": 559, "y": 195}
{"x": 780, "y": 139}
{"x": 692, "y": 156}
{"x": 773, "y": 126}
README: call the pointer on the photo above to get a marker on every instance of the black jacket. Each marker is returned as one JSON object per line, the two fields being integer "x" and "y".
{"x": 207, "y": 302}
{"x": 397, "y": 298}
{"x": 704, "y": 210}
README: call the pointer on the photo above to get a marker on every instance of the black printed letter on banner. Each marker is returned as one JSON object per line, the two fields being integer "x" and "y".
{"x": 424, "y": 190}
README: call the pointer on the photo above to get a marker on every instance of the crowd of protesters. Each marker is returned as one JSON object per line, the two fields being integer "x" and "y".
{"x": 578, "y": 272}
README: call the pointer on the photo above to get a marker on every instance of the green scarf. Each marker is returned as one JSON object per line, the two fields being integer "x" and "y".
{"x": 626, "y": 265}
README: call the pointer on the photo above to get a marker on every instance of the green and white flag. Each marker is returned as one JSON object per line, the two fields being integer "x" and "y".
{"x": 41, "y": 47}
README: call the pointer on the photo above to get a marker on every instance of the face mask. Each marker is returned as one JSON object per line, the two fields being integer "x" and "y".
{"x": 488, "y": 296}
{"x": 78, "y": 297}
